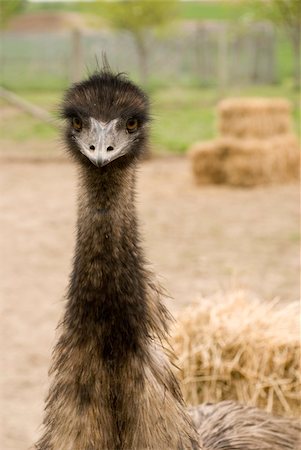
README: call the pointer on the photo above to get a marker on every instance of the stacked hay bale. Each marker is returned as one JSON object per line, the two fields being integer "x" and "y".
{"x": 259, "y": 118}
{"x": 256, "y": 145}
{"x": 235, "y": 347}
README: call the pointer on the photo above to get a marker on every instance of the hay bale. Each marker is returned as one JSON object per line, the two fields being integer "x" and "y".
{"x": 254, "y": 117}
{"x": 206, "y": 160}
{"x": 235, "y": 347}
{"x": 246, "y": 162}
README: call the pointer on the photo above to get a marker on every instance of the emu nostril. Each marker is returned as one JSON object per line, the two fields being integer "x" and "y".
{"x": 92, "y": 147}
{"x": 110, "y": 148}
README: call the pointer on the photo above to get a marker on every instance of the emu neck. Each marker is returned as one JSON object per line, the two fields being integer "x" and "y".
{"x": 113, "y": 387}
{"x": 107, "y": 291}
{"x": 106, "y": 221}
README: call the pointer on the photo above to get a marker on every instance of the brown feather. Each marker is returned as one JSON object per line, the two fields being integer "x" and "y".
{"x": 228, "y": 425}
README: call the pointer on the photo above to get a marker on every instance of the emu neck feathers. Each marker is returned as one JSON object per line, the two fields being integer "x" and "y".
{"x": 108, "y": 289}
{"x": 107, "y": 252}
{"x": 112, "y": 386}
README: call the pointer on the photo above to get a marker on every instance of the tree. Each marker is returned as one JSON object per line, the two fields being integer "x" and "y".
{"x": 139, "y": 16}
{"x": 8, "y": 8}
{"x": 285, "y": 14}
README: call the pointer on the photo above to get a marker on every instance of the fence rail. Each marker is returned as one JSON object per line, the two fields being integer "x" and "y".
{"x": 207, "y": 53}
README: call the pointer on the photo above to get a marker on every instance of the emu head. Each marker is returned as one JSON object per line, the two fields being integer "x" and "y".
{"x": 106, "y": 119}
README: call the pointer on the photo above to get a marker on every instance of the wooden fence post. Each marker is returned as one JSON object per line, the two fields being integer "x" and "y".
{"x": 77, "y": 55}
{"x": 223, "y": 57}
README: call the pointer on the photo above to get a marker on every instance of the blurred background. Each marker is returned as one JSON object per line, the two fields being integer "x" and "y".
{"x": 201, "y": 238}
{"x": 187, "y": 54}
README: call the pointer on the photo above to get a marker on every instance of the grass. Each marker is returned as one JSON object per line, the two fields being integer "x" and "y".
{"x": 24, "y": 128}
{"x": 284, "y": 57}
{"x": 181, "y": 115}
{"x": 185, "y": 115}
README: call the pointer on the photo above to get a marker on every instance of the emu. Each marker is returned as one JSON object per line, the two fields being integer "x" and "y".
{"x": 112, "y": 386}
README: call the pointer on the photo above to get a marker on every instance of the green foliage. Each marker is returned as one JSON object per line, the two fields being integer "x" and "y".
{"x": 281, "y": 12}
{"x": 213, "y": 10}
{"x": 51, "y": 6}
{"x": 135, "y": 15}
{"x": 8, "y": 8}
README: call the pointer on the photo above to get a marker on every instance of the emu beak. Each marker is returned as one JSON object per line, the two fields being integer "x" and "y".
{"x": 102, "y": 143}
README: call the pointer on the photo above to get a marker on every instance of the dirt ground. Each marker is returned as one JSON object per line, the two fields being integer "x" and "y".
{"x": 199, "y": 240}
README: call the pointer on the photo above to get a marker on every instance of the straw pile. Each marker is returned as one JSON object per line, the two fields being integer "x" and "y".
{"x": 246, "y": 162}
{"x": 254, "y": 117}
{"x": 256, "y": 145}
{"x": 235, "y": 347}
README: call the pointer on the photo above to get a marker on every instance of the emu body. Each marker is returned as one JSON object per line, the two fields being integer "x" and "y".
{"x": 112, "y": 387}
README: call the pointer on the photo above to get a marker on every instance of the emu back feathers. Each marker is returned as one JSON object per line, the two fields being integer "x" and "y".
{"x": 230, "y": 426}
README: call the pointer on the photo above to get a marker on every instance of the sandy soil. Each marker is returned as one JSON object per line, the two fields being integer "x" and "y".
{"x": 199, "y": 240}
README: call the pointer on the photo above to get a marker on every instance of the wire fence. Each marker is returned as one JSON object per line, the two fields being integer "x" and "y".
{"x": 210, "y": 54}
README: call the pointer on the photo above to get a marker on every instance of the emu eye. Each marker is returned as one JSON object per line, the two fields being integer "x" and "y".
{"x": 77, "y": 123}
{"x": 132, "y": 125}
